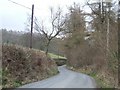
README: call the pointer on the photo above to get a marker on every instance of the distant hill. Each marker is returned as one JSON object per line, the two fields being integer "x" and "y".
{"x": 39, "y": 40}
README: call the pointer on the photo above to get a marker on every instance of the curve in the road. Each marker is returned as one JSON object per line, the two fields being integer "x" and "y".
{"x": 65, "y": 79}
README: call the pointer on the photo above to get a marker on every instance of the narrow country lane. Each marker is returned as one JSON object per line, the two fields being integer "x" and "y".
{"x": 65, "y": 79}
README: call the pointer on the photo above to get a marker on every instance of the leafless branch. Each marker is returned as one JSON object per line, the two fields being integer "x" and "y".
{"x": 57, "y": 23}
{"x": 91, "y": 7}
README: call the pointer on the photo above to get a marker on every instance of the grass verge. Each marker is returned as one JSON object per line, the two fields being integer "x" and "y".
{"x": 100, "y": 79}
{"x": 54, "y": 56}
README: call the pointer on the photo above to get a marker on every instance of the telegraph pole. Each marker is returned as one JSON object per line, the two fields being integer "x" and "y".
{"x": 31, "y": 26}
{"x": 108, "y": 27}
{"x": 31, "y": 18}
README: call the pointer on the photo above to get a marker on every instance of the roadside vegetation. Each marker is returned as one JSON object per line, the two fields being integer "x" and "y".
{"x": 0, "y": 78}
{"x": 60, "y": 60}
{"x": 23, "y": 65}
{"x": 88, "y": 51}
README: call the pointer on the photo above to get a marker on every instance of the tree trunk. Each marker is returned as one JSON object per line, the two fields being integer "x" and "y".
{"x": 47, "y": 47}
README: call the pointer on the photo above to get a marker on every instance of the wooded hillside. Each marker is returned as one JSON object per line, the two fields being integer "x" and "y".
{"x": 90, "y": 51}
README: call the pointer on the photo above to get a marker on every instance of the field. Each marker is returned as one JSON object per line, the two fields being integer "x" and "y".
{"x": 54, "y": 56}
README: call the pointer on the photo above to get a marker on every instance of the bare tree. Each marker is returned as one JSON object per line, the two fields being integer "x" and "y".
{"x": 104, "y": 23}
{"x": 57, "y": 23}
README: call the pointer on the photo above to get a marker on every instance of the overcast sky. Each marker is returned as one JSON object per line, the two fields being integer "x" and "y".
{"x": 13, "y": 16}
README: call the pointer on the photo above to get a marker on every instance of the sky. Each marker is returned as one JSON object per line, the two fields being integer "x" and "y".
{"x": 14, "y": 17}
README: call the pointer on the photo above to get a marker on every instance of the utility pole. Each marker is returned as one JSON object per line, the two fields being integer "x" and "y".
{"x": 106, "y": 6}
{"x": 108, "y": 27}
{"x": 31, "y": 26}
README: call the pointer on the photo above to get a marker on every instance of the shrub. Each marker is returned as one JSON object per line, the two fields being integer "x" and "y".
{"x": 24, "y": 65}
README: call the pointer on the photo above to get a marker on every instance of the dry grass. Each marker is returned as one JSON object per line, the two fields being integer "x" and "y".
{"x": 24, "y": 65}
{"x": 104, "y": 79}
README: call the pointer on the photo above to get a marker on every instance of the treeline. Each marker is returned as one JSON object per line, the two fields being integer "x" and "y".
{"x": 89, "y": 46}
{"x": 23, "y": 39}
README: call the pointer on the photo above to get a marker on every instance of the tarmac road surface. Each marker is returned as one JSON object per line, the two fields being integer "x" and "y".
{"x": 65, "y": 79}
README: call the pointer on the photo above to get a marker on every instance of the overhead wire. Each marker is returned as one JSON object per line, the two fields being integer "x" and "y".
{"x": 24, "y": 7}
{"x": 36, "y": 19}
{"x": 20, "y": 4}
